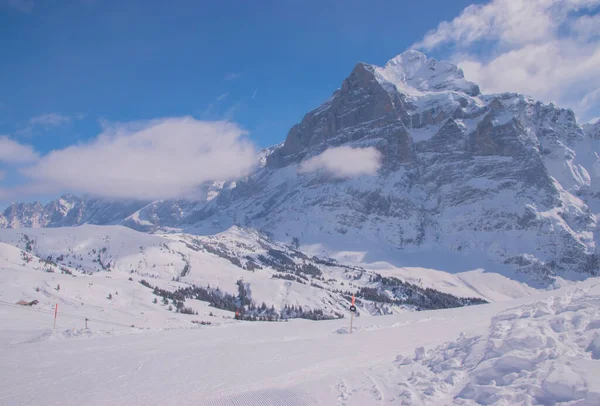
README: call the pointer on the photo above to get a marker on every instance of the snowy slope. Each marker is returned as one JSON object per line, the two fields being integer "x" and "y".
{"x": 100, "y": 270}
{"x": 541, "y": 349}
{"x": 81, "y": 296}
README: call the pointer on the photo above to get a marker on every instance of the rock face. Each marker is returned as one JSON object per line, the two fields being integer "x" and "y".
{"x": 501, "y": 182}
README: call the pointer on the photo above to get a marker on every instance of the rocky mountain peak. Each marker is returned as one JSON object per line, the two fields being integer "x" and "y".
{"x": 410, "y": 91}
{"x": 361, "y": 99}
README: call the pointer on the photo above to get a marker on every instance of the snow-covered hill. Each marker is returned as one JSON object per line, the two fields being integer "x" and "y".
{"x": 115, "y": 273}
{"x": 117, "y": 340}
{"x": 500, "y": 182}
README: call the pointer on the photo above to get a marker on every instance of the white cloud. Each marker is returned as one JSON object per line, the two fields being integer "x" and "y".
{"x": 159, "y": 159}
{"x": 18, "y": 193}
{"x": 549, "y": 49}
{"x": 587, "y": 26}
{"x": 343, "y": 162}
{"x": 14, "y": 152}
{"x": 46, "y": 121}
{"x": 110, "y": 127}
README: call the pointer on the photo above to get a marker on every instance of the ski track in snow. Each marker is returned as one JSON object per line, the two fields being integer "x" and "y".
{"x": 361, "y": 387}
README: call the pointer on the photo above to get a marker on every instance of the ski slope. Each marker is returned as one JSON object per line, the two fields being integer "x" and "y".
{"x": 542, "y": 349}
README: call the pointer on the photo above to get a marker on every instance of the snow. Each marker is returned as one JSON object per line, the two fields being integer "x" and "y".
{"x": 526, "y": 347}
{"x": 155, "y": 258}
{"x": 490, "y": 286}
{"x": 533, "y": 350}
{"x": 423, "y": 134}
{"x": 414, "y": 74}
{"x": 131, "y": 256}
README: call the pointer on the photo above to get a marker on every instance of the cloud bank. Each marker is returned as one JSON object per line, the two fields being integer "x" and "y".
{"x": 13, "y": 152}
{"x": 344, "y": 162}
{"x": 549, "y": 49}
{"x": 160, "y": 159}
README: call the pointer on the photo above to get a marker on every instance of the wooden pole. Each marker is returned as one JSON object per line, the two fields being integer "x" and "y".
{"x": 86, "y": 320}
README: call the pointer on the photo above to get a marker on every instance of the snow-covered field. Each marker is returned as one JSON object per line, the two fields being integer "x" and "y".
{"x": 541, "y": 349}
{"x": 525, "y": 347}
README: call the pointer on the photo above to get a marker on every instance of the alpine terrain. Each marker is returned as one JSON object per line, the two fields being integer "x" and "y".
{"x": 455, "y": 264}
{"x": 501, "y": 182}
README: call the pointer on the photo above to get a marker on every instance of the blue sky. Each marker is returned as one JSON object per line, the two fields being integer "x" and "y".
{"x": 133, "y": 60}
{"x": 72, "y": 68}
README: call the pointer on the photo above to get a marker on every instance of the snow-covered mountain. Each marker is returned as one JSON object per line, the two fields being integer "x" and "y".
{"x": 501, "y": 182}
{"x": 70, "y": 210}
